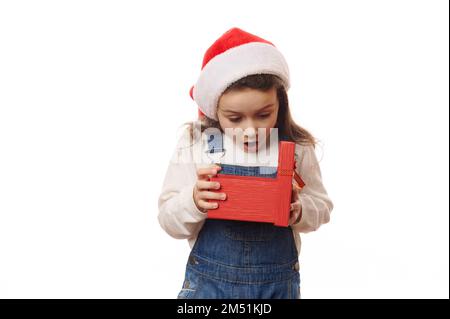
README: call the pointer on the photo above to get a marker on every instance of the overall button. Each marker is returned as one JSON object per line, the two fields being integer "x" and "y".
{"x": 193, "y": 260}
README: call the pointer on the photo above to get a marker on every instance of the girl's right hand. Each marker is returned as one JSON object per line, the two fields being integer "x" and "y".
{"x": 201, "y": 191}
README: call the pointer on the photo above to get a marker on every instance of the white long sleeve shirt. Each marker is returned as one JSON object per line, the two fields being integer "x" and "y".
{"x": 181, "y": 219}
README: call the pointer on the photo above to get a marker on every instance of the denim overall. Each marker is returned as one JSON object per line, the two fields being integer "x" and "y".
{"x": 242, "y": 260}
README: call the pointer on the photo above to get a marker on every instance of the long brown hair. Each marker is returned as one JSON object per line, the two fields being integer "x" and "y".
{"x": 288, "y": 130}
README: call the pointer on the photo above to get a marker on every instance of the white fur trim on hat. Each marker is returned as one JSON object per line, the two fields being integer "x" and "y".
{"x": 232, "y": 65}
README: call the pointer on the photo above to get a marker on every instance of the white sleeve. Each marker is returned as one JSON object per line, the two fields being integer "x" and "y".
{"x": 178, "y": 214}
{"x": 314, "y": 200}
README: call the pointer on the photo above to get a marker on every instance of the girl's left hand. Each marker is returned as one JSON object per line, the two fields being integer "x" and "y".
{"x": 296, "y": 207}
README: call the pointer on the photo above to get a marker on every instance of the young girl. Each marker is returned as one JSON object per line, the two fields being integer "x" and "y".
{"x": 242, "y": 85}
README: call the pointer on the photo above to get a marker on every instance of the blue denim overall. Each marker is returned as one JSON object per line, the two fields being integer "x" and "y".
{"x": 242, "y": 260}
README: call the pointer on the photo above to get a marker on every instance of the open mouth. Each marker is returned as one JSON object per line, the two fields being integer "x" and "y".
{"x": 251, "y": 146}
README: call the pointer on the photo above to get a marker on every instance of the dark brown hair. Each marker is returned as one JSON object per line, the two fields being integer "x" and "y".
{"x": 288, "y": 130}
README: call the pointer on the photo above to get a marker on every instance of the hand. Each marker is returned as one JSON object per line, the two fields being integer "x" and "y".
{"x": 296, "y": 206}
{"x": 201, "y": 191}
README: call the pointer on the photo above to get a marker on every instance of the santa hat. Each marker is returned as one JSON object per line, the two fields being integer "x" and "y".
{"x": 231, "y": 57}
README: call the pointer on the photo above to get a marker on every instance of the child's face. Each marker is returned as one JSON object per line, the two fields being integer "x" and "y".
{"x": 248, "y": 109}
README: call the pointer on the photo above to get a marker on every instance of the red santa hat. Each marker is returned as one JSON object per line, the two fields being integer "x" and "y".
{"x": 231, "y": 57}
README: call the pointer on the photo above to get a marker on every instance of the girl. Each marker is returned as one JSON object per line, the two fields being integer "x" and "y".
{"x": 242, "y": 84}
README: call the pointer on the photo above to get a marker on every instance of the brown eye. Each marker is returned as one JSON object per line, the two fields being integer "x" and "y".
{"x": 234, "y": 119}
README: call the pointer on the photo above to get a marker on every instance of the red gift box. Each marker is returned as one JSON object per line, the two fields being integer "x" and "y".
{"x": 259, "y": 199}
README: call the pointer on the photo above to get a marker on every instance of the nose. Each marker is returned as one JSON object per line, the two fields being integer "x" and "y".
{"x": 250, "y": 132}
{"x": 249, "y": 126}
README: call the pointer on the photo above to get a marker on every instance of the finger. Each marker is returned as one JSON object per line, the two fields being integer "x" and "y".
{"x": 295, "y": 212}
{"x": 204, "y": 172}
{"x": 205, "y": 185}
{"x": 295, "y": 191}
{"x": 207, "y": 205}
{"x": 293, "y": 217}
{"x": 211, "y": 195}
{"x": 295, "y": 206}
{"x": 295, "y": 186}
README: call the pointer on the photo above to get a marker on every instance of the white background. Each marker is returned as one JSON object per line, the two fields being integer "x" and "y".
{"x": 92, "y": 94}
